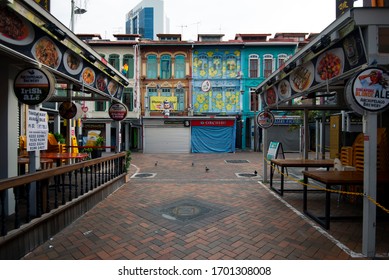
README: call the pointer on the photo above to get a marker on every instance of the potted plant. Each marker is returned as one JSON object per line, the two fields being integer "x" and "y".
{"x": 97, "y": 152}
{"x": 127, "y": 165}
{"x": 59, "y": 137}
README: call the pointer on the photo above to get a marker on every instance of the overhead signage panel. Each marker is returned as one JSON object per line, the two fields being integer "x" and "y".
{"x": 344, "y": 56}
{"x": 26, "y": 38}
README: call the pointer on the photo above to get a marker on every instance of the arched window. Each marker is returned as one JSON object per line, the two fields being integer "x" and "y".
{"x": 166, "y": 69}
{"x": 231, "y": 66}
{"x": 114, "y": 61}
{"x": 151, "y": 66}
{"x": 281, "y": 59}
{"x": 203, "y": 65}
{"x": 179, "y": 67}
{"x": 129, "y": 60}
{"x": 253, "y": 66}
{"x": 268, "y": 65}
{"x": 215, "y": 69}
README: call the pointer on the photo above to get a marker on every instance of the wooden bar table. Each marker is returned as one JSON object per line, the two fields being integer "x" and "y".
{"x": 284, "y": 163}
{"x": 334, "y": 178}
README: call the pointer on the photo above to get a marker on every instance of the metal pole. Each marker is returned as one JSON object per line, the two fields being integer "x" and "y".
{"x": 369, "y": 184}
{"x": 306, "y": 134}
{"x": 72, "y": 16}
{"x": 255, "y": 124}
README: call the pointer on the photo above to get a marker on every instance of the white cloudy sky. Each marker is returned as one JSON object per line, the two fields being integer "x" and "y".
{"x": 206, "y": 16}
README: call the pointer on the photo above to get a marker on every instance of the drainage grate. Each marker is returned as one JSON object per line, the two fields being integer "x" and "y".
{"x": 144, "y": 175}
{"x": 247, "y": 175}
{"x": 236, "y": 161}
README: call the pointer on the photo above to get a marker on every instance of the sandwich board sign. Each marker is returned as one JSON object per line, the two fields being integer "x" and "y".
{"x": 274, "y": 149}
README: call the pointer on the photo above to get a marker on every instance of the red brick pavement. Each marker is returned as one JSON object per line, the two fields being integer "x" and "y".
{"x": 246, "y": 221}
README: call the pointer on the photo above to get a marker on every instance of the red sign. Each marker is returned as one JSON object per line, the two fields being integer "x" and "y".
{"x": 212, "y": 122}
{"x": 117, "y": 112}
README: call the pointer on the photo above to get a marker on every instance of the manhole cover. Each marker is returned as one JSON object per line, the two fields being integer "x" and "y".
{"x": 144, "y": 175}
{"x": 237, "y": 161}
{"x": 185, "y": 212}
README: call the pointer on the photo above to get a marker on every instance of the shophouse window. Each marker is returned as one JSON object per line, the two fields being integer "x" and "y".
{"x": 114, "y": 61}
{"x": 268, "y": 65}
{"x": 166, "y": 92}
{"x": 216, "y": 100}
{"x": 100, "y": 106}
{"x": 166, "y": 70}
{"x": 231, "y": 65}
{"x": 151, "y": 92}
{"x": 254, "y": 100}
{"x": 128, "y": 98}
{"x": 253, "y": 66}
{"x": 215, "y": 69}
{"x": 129, "y": 60}
{"x": 179, "y": 67}
{"x": 203, "y": 65}
{"x": 152, "y": 69}
{"x": 180, "y": 94}
{"x": 282, "y": 59}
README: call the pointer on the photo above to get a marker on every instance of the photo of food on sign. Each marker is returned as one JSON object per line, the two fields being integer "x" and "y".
{"x": 329, "y": 65}
{"x": 88, "y": 76}
{"x": 14, "y": 29}
{"x": 112, "y": 87}
{"x": 73, "y": 64}
{"x": 301, "y": 79}
{"x": 284, "y": 89}
{"x": 46, "y": 52}
{"x": 271, "y": 96}
{"x": 101, "y": 82}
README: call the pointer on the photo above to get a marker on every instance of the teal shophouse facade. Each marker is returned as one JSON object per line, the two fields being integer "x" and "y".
{"x": 258, "y": 61}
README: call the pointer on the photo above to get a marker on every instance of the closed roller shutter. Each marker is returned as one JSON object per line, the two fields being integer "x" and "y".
{"x": 166, "y": 140}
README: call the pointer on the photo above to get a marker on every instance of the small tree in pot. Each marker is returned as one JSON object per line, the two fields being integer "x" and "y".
{"x": 97, "y": 152}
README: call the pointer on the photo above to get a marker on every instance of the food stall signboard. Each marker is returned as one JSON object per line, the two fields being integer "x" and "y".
{"x": 33, "y": 86}
{"x": 370, "y": 89}
{"x": 265, "y": 119}
{"x": 37, "y": 130}
{"x": 117, "y": 112}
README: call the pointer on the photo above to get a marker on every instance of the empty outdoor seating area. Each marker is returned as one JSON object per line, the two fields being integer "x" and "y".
{"x": 49, "y": 199}
{"x": 333, "y": 197}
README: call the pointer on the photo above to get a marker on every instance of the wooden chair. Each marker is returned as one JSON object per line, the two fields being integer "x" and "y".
{"x": 53, "y": 146}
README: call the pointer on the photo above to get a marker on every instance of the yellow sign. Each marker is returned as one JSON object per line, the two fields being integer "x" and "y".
{"x": 159, "y": 103}
{"x": 44, "y": 3}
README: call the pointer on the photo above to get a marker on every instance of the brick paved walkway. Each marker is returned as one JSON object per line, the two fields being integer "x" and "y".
{"x": 183, "y": 212}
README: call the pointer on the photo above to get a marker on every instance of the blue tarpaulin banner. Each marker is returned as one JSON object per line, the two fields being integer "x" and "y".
{"x": 213, "y": 139}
